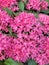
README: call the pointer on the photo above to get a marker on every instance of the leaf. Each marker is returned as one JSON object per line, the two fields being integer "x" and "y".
{"x": 20, "y": 63}
{"x": 10, "y": 61}
{"x": 21, "y": 6}
{"x": 48, "y": 64}
{"x": 45, "y": 11}
{"x": 19, "y": 0}
{"x": 10, "y": 30}
{"x": 1, "y": 62}
{"x": 36, "y": 14}
{"x": 32, "y": 62}
{"x": 11, "y": 33}
{"x": 17, "y": 13}
{"x": 25, "y": 1}
{"x": 11, "y": 13}
{"x": 47, "y": 1}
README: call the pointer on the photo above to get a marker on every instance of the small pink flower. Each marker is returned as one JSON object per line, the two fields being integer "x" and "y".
{"x": 37, "y": 5}
{"x": 11, "y": 4}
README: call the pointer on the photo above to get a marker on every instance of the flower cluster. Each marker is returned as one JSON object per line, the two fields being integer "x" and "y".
{"x": 11, "y": 47}
{"x": 11, "y": 4}
{"x": 32, "y": 38}
{"x": 30, "y": 33}
{"x": 4, "y": 20}
{"x": 32, "y": 4}
{"x": 37, "y": 5}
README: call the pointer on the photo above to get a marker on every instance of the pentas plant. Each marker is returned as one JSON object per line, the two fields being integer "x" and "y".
{"x": 11, "y": 4}
{"x": 37, "y": 4}
{"x": 5, "y": 19}
{"x": 24, "y": 32}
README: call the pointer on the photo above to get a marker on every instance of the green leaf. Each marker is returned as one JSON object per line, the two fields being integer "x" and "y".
{"x": 32, "y": 62}
{"x": 19, "y": 0}
{"x": 35, "y": 13}
{"x": 10, "y": 31}
{"x": 11, "y": 13}
{"x": 1, "y": 62}
{"x": 10, "y": 61}
{"x": 25, "y": 1}
{"x": 20, "y": 63}
{"x": 47, "y": 0}
{"x": 48, "y": 64}
{"x": 45, "y": 11}
{"x": 21, "y": 6}
{"x": 17, "y": 13}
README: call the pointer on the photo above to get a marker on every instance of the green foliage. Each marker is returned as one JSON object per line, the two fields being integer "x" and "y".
{"x": 11, "y": 33}
{"x": 11, "y": 13}
{"x": 17, "y": 13}
{"x": 25, "y": 1}
{"x": 10, "y": 61}
{"x": 21, "y": 6}
{"x": 48, "y": 64}
{"x": 47, "y": 0}
{"x": 10, "y": 30}
{"x": 45, "y": 11}
{"x": 32, "y": 62}
{"x": 1, "y": 63}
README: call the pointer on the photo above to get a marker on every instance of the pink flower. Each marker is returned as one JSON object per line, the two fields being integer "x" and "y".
{"x": 4, "y": 20}
{"x": 10, "y": 4}
{"x": 31, "y": 40}
{"x": 22, "y": 21}
{"x": 44, "y": 18}
{"x": 44, "y": 5}
{"x": 37, "y": 5}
